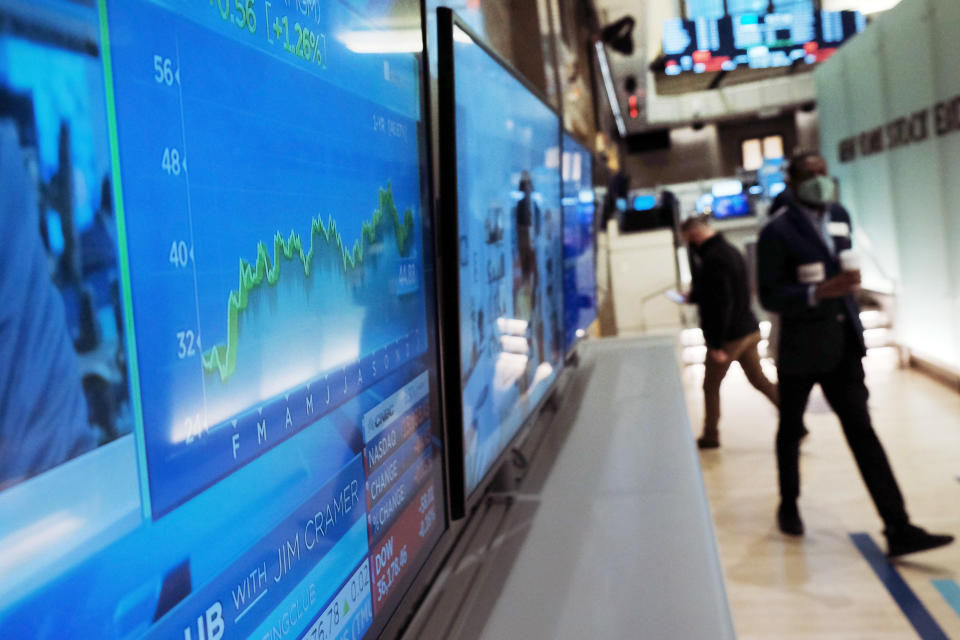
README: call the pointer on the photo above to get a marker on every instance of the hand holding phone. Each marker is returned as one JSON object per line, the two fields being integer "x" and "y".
{"x": 675, "y": 296}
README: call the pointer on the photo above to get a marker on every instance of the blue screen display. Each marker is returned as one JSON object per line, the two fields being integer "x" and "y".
{"x": 225, "y": 418}
{"x": 644, "y": 203}
{"x": 731, "y": 206}
{"x": 511, "y": 252}
{"x": 579, "y": 255}
{"x": 750, "y": 36}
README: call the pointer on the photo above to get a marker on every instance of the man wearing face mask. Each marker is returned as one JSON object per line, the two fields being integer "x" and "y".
{"x": 801, "y": 278}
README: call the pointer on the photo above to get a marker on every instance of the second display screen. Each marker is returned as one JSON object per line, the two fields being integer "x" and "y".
{"x": 510, "y": 250}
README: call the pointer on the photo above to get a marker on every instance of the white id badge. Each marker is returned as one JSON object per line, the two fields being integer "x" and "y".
{"x": 839, "y": 229}
{"x": 811, "y": 273}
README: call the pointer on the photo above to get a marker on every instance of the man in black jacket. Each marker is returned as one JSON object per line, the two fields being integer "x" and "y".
{"x": 730, "y": 329}
{"x": 821, "y": 342}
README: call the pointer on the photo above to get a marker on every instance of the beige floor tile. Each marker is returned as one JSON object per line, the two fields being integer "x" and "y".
{"x": 820, "y": 586}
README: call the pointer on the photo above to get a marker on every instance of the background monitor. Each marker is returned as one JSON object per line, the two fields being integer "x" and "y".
{"x": 500, "y": 183}
{"x": 644, "y": 202}
{"x": 220, "y": 323}
{"x": 736, "y": 206}
{"x": 705, "y": 203}
{"x": 579, "y": 241}
{"x": 758, "y": 39}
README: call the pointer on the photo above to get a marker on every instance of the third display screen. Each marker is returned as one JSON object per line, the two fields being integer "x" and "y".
{"x": 511, "y": 260}
{"x": 579, "y": 256}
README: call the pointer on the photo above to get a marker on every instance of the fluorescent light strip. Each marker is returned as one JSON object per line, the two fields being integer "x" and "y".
{"x": 383, "y": 41}
{"x": 388, "y": 41}
{"x": 611, "y": 92}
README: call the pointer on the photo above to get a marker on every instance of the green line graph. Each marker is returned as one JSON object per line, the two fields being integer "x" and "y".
{"x": 222, "y": 358}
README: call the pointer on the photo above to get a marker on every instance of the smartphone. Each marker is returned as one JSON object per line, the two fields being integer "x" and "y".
{"x": 675, "y": 296}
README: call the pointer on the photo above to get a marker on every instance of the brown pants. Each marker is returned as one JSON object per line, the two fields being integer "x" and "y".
{"x": 744, "y": 351}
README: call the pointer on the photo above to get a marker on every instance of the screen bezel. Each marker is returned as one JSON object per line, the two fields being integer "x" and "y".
{"x": 577, "y": 140}
{"x": 462, "y": 500}
{"x": 418, "y": 584}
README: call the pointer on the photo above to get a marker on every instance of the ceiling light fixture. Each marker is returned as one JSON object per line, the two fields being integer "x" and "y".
{"x": 611, "y": 91}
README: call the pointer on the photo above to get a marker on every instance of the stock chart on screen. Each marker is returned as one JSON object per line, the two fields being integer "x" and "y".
{"x": 284, "y": 211}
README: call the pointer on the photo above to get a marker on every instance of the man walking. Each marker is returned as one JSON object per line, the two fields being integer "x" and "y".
{"x": 801, "y": 277}
{"x": 729, "y": 326}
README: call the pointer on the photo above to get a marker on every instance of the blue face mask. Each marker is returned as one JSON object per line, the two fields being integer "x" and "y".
{"x": 817, "y": 191}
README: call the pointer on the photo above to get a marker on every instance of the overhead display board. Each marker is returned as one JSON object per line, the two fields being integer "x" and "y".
{"x": 793, "y": 33}
{"x": 501, "y": 207}
{"x": 219, "y": 320}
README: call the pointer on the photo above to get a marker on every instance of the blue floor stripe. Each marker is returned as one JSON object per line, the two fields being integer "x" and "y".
{"x": 906, "y": 599}
{"x": 950, "y": 591}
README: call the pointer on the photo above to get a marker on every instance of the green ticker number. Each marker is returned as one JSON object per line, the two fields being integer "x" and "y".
{"x": 309, "y": 46}
{"x": 246, "y": 18}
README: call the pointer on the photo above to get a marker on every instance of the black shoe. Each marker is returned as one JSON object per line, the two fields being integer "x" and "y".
{"x": 912, "y": 539}
{"x": 788, "y": 517}
{"x": 705, "y": 442}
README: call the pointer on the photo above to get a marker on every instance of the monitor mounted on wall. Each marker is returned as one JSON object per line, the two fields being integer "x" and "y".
{"x": 500, "y": 227}
{"x": 220, "y": 320}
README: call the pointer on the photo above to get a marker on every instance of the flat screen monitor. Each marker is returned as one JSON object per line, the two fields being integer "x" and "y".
{"x": 771, "y": 176}
{"x": 705, "y": 203}
{"x": 579, "y": 241}
{"x": 644, "y": 202}
{"x": 747, "y": 38}
{"x": 218, "y": 328}
{"x": 501, "y": 202}
{"x": 736, "y": 206}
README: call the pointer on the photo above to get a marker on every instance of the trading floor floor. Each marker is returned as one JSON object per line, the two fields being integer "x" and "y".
{"x": 824, "y": 586}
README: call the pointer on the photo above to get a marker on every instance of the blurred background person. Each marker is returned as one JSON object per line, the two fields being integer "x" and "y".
{"x": 43, "y": 412}
{"x": 721, "y": 292}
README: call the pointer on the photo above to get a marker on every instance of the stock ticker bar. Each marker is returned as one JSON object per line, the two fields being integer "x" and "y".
{"x": 279, "y": 583}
